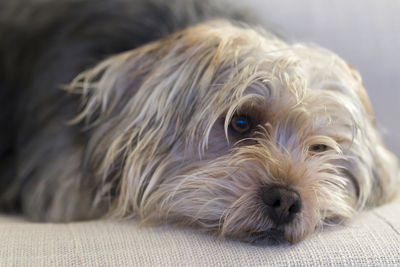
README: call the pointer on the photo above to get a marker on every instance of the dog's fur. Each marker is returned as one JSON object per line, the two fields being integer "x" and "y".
{"x": 145, "y": 129}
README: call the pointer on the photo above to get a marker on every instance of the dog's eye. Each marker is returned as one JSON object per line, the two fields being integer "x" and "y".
{"x": 318, "y": 148}
{"x": 241, "y": 124}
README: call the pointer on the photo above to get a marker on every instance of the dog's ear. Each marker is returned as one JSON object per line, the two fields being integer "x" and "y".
{"x": 385, "y": 166}
{"x": 361, "y": 93}
{"x": 135, "y": 105}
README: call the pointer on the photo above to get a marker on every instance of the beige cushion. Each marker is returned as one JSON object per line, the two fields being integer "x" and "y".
{"x": 372, "y": 239}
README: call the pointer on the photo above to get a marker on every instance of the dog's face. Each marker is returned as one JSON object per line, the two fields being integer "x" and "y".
{"x": 236, "y": 131}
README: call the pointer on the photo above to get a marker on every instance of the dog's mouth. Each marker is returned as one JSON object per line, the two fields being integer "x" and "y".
{"x": 270, "y": 237}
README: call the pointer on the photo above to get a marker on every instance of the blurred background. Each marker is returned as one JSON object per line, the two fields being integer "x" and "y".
{"x": 366, "y": 33}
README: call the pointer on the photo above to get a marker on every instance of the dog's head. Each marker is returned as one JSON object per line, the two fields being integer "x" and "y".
{"x": 232, "y": 129}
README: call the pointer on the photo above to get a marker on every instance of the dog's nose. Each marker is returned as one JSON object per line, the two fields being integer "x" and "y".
{"x": 282, "y": 203}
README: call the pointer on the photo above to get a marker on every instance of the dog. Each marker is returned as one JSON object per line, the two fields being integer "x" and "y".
{"x": 182, "y": 112}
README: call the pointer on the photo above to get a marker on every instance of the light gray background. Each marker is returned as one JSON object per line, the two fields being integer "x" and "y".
{"x": 364, "y": 32}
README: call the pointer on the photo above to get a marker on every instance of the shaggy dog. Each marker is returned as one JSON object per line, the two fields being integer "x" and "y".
{"x": 183, "y": 112}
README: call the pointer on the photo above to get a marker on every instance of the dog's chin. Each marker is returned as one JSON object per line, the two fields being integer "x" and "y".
{"x": 270, "y": 237}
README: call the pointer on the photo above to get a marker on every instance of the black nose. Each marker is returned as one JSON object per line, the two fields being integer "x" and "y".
{"x": 282, "y": 203}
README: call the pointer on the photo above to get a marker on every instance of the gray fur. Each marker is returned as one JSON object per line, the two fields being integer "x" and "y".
{"x": 45, "y": 45}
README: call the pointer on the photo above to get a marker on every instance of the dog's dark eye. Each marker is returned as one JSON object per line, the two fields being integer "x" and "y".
{"x": 241, "y": 124}
{"x": 318, "y": 148}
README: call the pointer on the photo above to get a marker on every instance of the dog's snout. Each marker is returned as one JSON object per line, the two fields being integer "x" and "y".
{"x": 282, "y": 203}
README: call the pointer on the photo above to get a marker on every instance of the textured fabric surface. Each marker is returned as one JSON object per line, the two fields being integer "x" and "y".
{"x": 372, "y": 239}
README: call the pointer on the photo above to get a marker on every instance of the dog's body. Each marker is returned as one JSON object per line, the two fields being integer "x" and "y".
{"x": 218, "y": 124}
